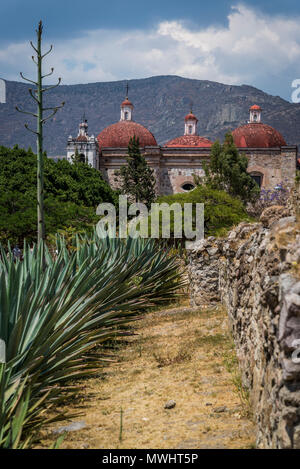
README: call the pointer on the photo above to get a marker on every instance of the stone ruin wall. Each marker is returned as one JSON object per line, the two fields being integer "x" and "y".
{"x": 255, "y": 272}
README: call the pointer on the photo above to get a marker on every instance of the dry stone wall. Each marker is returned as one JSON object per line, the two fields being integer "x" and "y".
{"x": 255, "y": 272}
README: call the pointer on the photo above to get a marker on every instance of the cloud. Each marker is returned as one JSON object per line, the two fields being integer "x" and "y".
{"x": 253, "y": 48}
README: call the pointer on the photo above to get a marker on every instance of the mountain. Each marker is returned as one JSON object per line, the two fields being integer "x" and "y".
{"x": 160, "y": 104}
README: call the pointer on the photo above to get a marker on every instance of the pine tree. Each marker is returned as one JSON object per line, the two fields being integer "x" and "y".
{"x": 136, "y": 179}
{"x": 227, "y": 170}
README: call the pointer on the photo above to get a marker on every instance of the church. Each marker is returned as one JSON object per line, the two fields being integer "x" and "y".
{"x": 271, "y": 159}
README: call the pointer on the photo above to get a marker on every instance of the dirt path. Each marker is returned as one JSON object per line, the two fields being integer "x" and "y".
{"x": 181, "y": 355}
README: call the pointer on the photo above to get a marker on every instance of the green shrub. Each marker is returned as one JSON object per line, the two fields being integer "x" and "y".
{"x": 221, "y": 211}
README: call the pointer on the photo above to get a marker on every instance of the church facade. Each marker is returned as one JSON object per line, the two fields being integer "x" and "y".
{"x": 271, "y": 160}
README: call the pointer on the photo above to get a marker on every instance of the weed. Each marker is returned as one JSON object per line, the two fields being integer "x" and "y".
{"x": 232, "y": 366}
{"x": 212, "y": 340}
{"x": 121, "y": 426}
{"x": 182, "y": 355}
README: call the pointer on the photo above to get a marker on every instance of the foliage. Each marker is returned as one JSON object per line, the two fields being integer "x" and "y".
{"x": 277, "y": 196}
{"x": 72, "y": 191}
{"x": 77, "y": 157}
{"x": 227, "y": 170}
{"x": 221, "y": 211}
{"x": 137, "y": 178}
{"x": 51, "y": 318}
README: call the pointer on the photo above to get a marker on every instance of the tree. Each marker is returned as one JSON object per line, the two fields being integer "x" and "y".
{"x": 227, "y": 170}
{"x": 37, "y": 95}
{"x": 72, "y": 193}
{"x": 137, "y": 178}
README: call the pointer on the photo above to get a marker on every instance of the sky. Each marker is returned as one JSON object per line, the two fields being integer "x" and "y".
{"x": 250, "y": 42}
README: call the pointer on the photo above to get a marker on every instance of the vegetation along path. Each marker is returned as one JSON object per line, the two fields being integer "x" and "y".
{"x": 181, "y": 354}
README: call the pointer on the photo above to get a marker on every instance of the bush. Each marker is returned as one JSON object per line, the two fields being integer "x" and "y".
{"x": 221, "y": 211}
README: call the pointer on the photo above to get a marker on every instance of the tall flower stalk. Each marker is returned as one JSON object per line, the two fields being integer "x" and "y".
{"x": 37, "y": 95}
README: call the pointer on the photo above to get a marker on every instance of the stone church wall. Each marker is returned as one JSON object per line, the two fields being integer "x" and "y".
{"x": 175, "y": 167}
{"x": 276, "y": 165}
{"x": 173, "y": 178}
{"x": 255, "y": 272}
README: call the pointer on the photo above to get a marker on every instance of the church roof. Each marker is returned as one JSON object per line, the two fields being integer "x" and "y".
{"x": 255, "y": 107}
{"x": 189, "y": 141}
{"x": 257, "y": 135}
{"x": 118, "y": 135}
{"x": 81, "y": 138}
{"x": 126, "y": 102}
{"x": 190, "y": 116}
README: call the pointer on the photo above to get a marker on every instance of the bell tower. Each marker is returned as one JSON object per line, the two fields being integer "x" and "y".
{"x": 190, "y": 124}
{"x": 84, "y": 145}
{"x": 126, "y": 108}
{"x": 255, "y": 114}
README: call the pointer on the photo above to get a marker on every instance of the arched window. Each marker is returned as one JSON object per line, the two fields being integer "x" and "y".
{"x": 190, "y": 129}
{"x": 188, "y": 186}
{"x": 257, "y": 177}
{"x": 126, "y": 115}
{"x": 82, "y": 158}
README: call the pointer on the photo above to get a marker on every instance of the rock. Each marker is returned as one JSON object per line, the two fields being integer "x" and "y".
{"x": 72, "y": 427}
{"x": 170, "y": 404}
{"x": 272, "y": 214}
{"x": 219, "y": 410}
{"x": 255, "y": 274}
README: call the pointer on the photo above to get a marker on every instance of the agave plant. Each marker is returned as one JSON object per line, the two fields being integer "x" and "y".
{"x": 54, "y": 313}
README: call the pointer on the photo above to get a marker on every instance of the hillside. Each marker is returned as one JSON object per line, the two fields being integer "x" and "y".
{"x": 160, "y": 104}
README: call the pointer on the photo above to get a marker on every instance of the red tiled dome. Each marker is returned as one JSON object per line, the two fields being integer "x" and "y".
{"x": 189, "y": 141}
{"x": 127, "y": 103}
{"x": 190, "y": 116}
{"x": 118, "y": 135}
{"x": 255, "y": 107}
{"x": 257, "y": 136}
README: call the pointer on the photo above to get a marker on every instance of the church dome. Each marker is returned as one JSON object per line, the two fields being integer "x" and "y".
{"x": 190, "y": 137}
{"x": 189, "y": 141}
{"x": 118, "y": 135}
{"x": 190, "y": 116}
{"x": 126, "y": 102}
{"x": 255, "y": 107}
{"x": 257, "y": 135}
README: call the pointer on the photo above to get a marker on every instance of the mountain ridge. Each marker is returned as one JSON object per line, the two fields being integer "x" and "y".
{"x": 161, "y": 103}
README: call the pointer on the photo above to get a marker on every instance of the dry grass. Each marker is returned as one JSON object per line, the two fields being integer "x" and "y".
{"x": 177, "y": 354}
